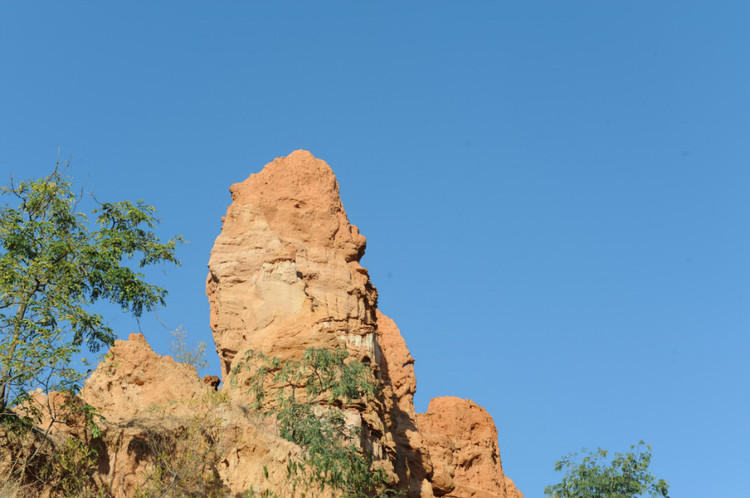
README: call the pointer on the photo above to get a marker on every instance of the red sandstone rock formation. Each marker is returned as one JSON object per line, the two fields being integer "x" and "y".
{"x": 284, "y": 276}
{"x": 407, "y": 450}
{"x": 132, "y": 380}
{"x": 142, "y": 394}
{"x": 462, "y": 439}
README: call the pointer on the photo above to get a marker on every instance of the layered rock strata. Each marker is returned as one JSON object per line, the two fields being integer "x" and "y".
{"x": 284, "y": 274}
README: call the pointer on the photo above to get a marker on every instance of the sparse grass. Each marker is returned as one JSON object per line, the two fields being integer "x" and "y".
{"x": 186, "y": 453}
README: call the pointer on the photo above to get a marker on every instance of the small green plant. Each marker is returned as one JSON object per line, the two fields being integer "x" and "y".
{"x": 183, "y": 353}
{"x": 33, "y": 465}
{"x": 595, "y": 476}
{"x": 36, "y": 459}
{"x": 266, "y": 493}
{"x": 308, "y": 393}
{"x": 73, "y": 467}
{"x": 89, "y": 417}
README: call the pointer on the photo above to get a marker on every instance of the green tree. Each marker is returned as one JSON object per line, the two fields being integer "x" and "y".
{"x": 593, "y": 475}
{"x": 54, "y": 266}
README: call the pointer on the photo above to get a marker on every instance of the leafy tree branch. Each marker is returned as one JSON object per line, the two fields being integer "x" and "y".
{"x": 54, "y": 265}
{"x": 593, "y": 475}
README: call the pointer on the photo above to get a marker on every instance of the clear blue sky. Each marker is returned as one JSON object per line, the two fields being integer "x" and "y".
{"x": 555, "y": 194}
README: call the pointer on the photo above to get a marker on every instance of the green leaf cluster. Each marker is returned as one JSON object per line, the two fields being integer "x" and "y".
{"x": 594, "y": 475}
{"x": 308, "y": 393}
{"x": 72, "y": 468}
{"x": 54, "y": 266}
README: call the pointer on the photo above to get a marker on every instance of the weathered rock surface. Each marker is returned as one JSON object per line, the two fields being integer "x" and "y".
{"x": 144, "y": 395}
{"x": 133, "y": 381}
{"x": 408, "y": 451}
{"x": 284, "y": 276}
{"x": 462, "y": 439}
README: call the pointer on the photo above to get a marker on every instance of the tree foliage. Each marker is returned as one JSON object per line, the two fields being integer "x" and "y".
{"x": 593, "y": 475}
{"x": 308, "y": 394}
{"x": 53, "y": 267}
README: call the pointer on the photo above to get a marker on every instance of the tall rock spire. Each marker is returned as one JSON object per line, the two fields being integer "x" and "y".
{"x": 284, "y": 274}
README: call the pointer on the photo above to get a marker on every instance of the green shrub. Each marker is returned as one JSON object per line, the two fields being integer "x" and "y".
{"x": 594, "y": 475}
{"x": 308, "y": 395}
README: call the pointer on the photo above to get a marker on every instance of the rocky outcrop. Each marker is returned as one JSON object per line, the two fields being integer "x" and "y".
{"x": 462, "y": 440}
{"x": 407, "y": 449}
{"x": 150, "y": 403}
{"x": 284, "y": 276}
{"x": 133, "y": 381}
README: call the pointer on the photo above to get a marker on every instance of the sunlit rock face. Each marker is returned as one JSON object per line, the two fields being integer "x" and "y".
{"x": 284, "y": 273}
{"x": 284, "y": 276}
{"x": 462, "y": 440}
{"x": 140, "y": 393}
{"x": 133, "y": 379}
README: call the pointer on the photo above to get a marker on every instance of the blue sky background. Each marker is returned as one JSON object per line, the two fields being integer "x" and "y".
{"x": 555, "y": 194}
